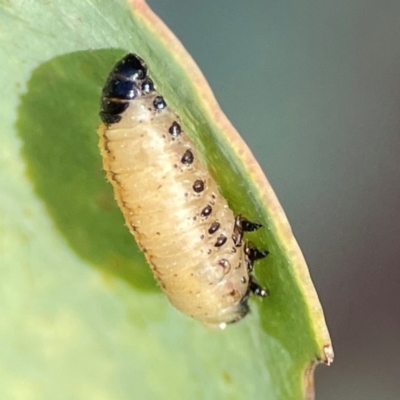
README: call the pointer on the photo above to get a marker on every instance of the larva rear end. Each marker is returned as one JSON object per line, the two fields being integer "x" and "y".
{"x": 171, "y": 204}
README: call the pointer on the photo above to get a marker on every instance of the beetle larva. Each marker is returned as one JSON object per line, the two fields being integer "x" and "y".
{"x": 171, "y": 204}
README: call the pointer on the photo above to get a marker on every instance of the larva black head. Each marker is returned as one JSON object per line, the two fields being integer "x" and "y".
{"x": 123, "y": 84}
{"x": 125, "y": 79}
{"x": 131, "y": 67}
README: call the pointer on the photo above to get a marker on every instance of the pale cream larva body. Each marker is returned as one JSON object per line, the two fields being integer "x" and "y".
{"x": 171, "y": 204}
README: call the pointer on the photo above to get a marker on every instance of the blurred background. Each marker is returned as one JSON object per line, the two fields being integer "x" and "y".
{"x": 314, "y": 89}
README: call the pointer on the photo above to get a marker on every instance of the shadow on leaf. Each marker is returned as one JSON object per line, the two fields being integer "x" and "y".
{"x": 57, "y": 121}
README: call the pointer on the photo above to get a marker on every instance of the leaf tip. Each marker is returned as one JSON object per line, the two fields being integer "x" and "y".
{"x": 329, "y": 354}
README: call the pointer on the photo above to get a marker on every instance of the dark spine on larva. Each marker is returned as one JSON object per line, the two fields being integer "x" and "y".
{"x": 172, "y": 205}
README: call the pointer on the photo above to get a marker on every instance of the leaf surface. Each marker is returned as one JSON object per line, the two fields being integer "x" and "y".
{"x": 81, "y": 314}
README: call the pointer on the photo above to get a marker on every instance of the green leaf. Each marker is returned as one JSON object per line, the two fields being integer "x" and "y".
{"x": 81, "y": 314}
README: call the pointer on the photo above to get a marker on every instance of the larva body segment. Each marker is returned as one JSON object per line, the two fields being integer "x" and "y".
{"x": 170, "y": 202}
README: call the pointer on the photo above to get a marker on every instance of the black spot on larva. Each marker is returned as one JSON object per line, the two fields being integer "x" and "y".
{"x": 159, "y": 103}
{"x": 147, "y": 85}
{"x": 249, "y": 266}
{"x": 113, "y": 107}
{"x": 257, "y": 290}
{"x": 131, "y": 67}
{"x": 120, "y": 89}
{"x": 235, "y": 238}
{"x": 243, "y": 279}
{"x": 224, "y": 263}
{"x": 109, "y": 119}
{"x": 248, "y": 226}
{"x": 253, "y": 253}
{"x": 198, "y": 186}
{"x": 187, "y": 158}
{"x": 220, "y": 241}
{"x": 206, "y": 211}
{"x": 214, "y": 227}
{"x": 175, "y": 129}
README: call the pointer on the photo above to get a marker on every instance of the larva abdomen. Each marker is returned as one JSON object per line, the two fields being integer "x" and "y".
{"x": 172, "y": 205}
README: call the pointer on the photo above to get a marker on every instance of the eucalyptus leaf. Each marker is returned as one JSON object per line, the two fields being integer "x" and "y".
{"x": 81, "y": 314}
